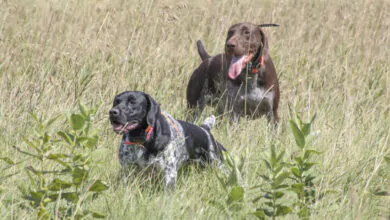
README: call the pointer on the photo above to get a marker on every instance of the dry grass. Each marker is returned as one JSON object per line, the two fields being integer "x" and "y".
{"x": 332, "y": 59}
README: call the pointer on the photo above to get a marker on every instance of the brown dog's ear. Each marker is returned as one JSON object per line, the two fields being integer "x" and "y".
{"x": 263, "y": 42}
{"x": 153, "y": 110}
{"x": 260, "y": 51}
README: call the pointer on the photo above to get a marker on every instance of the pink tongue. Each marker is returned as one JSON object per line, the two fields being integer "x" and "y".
{"x": 131, "y": 126}
{"x": 236, "y": 66}
{"x": 117, "y": 127}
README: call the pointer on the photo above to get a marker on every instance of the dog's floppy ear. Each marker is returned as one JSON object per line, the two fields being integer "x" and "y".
{"x": 153, "y": 110}
{"x": 263, "y": 45}
{"x": 263, "y": 42}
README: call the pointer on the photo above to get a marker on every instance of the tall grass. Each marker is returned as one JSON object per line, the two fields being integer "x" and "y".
{"x": 332, "y": 59}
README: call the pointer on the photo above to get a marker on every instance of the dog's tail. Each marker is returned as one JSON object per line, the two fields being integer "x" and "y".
{"x": 269, "y": 25}
{"x": 202, "y": 52}
{"x": 208, "y": 123}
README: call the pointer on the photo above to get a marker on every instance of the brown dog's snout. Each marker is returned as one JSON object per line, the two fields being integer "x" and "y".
{"x": 230, "y": 44}
{"x": 114, "y": 112}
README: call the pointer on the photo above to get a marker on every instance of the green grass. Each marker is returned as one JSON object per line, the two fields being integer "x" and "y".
{"x": 332, "y": 59}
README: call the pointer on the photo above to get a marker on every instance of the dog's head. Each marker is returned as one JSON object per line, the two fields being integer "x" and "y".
{"x": 245, "y": 42}
{"x": 133, "y": 110}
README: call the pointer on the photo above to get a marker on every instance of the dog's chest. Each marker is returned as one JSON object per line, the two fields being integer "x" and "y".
{"x": 132, "y": 154}
{"x": 174, "y": 153}
{"x": 254, "y": 98}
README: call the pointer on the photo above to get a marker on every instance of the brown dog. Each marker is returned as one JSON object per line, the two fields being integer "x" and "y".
{"x": 244, "y": 76}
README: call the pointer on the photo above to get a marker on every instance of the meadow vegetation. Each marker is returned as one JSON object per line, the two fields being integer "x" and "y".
{"x": 60, "y": 58}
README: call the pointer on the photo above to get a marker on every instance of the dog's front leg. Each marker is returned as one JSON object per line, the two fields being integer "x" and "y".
{"x": 170, "y": 175}
{"x": 170, "y": 165}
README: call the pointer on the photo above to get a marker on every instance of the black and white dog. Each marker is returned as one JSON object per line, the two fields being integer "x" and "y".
{"x": 151, "y": 137}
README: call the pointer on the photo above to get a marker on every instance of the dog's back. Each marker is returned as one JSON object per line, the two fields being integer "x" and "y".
{"x": 208, "y": 78}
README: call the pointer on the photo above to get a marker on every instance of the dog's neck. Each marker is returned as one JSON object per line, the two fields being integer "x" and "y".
{"x": 140, "y": 135}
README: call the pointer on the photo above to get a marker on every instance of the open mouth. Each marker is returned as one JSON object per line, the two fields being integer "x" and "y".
{"x": 123, "y": 128}
{"x": 237, "y": 64}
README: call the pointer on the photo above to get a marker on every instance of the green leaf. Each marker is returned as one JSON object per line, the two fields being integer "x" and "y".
{"x": 7, "y": 160}
{"x": 98, "y": 186}
{"x": 57, "y": 185}
{"x": 68, "y": 196}
{"x": 304, "y": 212}
{"x": 57, "y": 156}
{"x": 83, "y": 109}
{"x": 295, "y": 171}
{"x": 280, "y": 156}
{"x": 306, "y": 129}
{"x": 31, "y": 144}
{"x": 308, "y": 165}
{"x": 308, "y": 180}
{"x": 65, "y": 137}
{"x": 387, "y": 159}
{"x": 217, "y": 205}
{"x": 299, "y": 137}
{"x": 283, "y": 210}
{"x": 91, "y": 142}
{"x": 308, "y": 153}
{"x": 229, "y": 160}
{"x": 298, "y": 120}
{"x": 273, "y": 156}
{"x": 381, "y": 193}
{"x": 27, "y": 153}
{"x": 281, "y": 177}
{"x": 79, "y": 175}
{"x": 34, "y": 116}
{"x": 299, "y": 161}
{"x": 267, "y": 164}
{"x": 266, "y": 178}
{"x": 236, "y": 194}
{"x": 32, "y": 180}
{"x": 222, "y": 182}
{"x": 46, "y": 138}
{"x": 278, "y": 195}
{"x": 277, "y": 169}
{"x": 268, "y": 212}
{"x": 297, "y": 188}
{"x": 98, "y": 215}
{"x": 52, "y": 120}
{"x": 281, "y": 186}
{"x": 259, "y": 214}
{"x": 77, "y": 121}
{"x": 36, "y": 196}
{"x": 313, "y": 118}
{"x": 43, "y": 214}
{"x": 255, "y": 200}
{"x": 65, "y": 164}
{"x": 34, "y": 171}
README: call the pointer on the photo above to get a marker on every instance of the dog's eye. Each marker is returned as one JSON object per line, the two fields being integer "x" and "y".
{"x": 247, "y": 32}
{"x": 116, "y": 102}
{"x": 131, "y": 100}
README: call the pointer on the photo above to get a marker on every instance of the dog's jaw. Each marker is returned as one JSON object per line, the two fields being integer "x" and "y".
{"x": 124, "y": 128}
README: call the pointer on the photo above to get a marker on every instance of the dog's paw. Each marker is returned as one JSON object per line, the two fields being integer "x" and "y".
{"x": 209, "y": 122}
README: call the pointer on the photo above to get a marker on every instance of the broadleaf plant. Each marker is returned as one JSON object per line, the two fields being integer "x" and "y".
{"x": 62, "y": 162}
{"x": 301, "y": 167}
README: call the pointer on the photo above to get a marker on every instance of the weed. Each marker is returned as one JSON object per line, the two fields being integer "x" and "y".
{"x": 61, "y": 191}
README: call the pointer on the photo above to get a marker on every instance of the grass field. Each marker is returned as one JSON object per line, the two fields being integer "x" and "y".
{"x": 332, "y": 59}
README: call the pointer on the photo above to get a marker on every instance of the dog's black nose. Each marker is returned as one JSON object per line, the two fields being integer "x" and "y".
{"x": 114, "y": 112}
